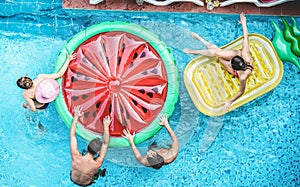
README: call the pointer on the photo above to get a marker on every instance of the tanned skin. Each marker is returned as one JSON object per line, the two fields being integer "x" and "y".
{"x": 169, "y": 155}
{"x": 85, "y": 167}
{"x": 225, "y": 57}
{"x": 29, "y": 94}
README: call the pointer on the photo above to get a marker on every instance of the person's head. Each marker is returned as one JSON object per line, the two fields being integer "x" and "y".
{"x": 155, "y": 160}
{"x": 238, "y": 63}
{"x": 24, "y": 82}
{"x": 94, "y": 146}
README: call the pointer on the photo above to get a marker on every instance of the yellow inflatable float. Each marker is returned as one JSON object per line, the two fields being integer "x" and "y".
{"x": 210, "y": 85}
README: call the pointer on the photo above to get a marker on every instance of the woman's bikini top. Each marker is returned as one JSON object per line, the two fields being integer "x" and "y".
{"x": 248, "y": 66}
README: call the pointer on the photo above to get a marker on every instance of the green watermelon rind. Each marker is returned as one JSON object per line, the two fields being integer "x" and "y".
{"x": 163, "y": 51}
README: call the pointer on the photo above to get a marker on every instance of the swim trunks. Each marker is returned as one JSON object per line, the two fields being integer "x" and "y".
{"x": 44, "y": 106}
{"x": 100, "y": 172}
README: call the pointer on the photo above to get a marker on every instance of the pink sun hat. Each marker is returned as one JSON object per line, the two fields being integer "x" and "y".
{"x": 46, "y": 91}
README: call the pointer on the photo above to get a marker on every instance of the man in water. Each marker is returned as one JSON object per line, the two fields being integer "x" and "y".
{"x": 156, "y": 157}
{"x": 85, "y": 169}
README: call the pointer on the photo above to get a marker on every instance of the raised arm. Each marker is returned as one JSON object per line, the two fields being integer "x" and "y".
{"x": 246, "y": 56}
{"x": 103, "y": 150}
{"x": 73, "y": 141}
{"x": 245, "y": 49}
{"x": 62, "y": 70}
{"x": 135, "y": 150}
{"x": 175, "y": 144}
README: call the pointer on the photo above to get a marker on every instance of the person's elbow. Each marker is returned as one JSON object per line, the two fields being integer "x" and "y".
{"x": 100, "y": 161}
{"x": 174, "y": 139}
{"x": 33, "y": 109}
{"x": 242, "y": 87}
{"x": 58, "y": 75}
{"x": 242, "y": 91}
{"x": 141, "y": 160}
{"x": 175, "y": 144}
{"x": 106, "y": 141}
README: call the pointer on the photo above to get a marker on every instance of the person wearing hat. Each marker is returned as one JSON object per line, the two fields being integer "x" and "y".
{"x": 86, "y": 167}
{"x": 39, "y": 92}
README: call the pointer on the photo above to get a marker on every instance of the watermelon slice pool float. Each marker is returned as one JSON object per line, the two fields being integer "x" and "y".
{"x": 122, "y": 70}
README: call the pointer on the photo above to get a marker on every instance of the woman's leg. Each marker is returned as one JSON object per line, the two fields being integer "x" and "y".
{"x": 206, "y": 43}
{"x": 215, "y": 52}
{"x": 224, "y": 56}
{"x": 205, "y": 52}
{"x": 227, "y": 65}
{"x": 212, "y": 50}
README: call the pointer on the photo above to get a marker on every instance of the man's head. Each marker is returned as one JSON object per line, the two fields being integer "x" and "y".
{"x": 94, "y": 146}
{"x": 24, "y": 82}
{"x": 155, "y": 160}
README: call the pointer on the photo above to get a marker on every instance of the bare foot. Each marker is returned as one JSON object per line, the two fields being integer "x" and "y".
{"x": 196, "y": 36}
{"x": 206, "y": 43}
{"x": 188, "y": 51}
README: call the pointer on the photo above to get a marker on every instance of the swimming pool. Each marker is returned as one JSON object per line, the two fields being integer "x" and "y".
{"x": 258, "y": 144}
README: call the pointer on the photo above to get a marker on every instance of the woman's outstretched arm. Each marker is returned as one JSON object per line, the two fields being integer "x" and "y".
{"x": 62, "y": 70}
{"x": 246, "y": 47}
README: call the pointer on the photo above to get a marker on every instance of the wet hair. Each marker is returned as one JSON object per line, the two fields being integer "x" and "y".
{"x": 238, "y": 63}
{"x": 100, "y": 172}
{"x": 156, "y": 162}
{"x": 24, "y": 82}
{"x": 94, "y": 146}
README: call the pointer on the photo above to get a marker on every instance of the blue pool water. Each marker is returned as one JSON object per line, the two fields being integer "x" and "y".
{"x": 258, "y": 144}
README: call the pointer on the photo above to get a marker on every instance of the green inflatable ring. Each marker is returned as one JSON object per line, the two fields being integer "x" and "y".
{"x": 133, "y": 30}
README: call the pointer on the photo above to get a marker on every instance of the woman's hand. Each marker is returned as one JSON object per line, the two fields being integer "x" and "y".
{"x": 127, "y": 135}
{"x": 242, "y": 19}
{"x": 72, "y": 57}
{"x": 227, "y": 105}
{"x": 163, "y": 120}
{"x": 78, "y": 111}
{"x": 106, "y": 121}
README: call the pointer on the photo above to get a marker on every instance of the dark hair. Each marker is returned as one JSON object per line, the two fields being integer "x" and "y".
{"x": 24, "y": 82}
{"x": 156, "y": 162}
{"x": 238, "y": 63}
{"x": 94, "y": 146}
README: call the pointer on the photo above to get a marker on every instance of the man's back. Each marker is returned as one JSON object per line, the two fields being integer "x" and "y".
{"x": 83, "y": 169}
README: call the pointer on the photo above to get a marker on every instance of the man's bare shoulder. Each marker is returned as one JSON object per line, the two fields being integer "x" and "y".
{"x": 169, "y": 155}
